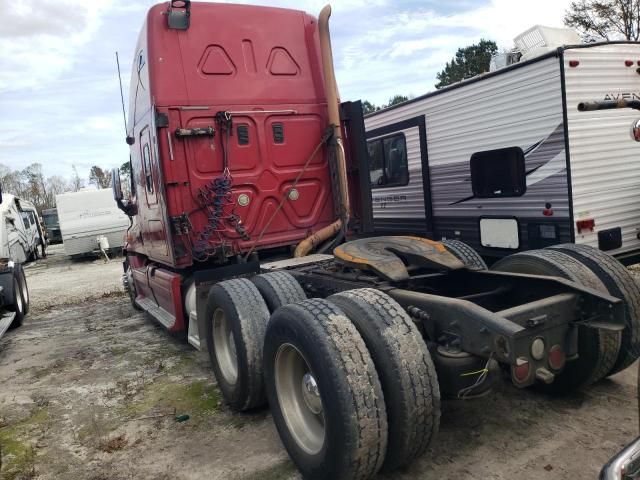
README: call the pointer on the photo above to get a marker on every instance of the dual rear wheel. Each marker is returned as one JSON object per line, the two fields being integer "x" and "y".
{"x": 350, "y": 381}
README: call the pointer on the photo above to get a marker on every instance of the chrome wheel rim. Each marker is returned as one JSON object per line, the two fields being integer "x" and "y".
{"x": 299, "y": 399}
{"x": 19, "y": 305}
{"x": 130, "y": 285}
{"x": 225, "y": 347}
{"x": 25, "y": 290}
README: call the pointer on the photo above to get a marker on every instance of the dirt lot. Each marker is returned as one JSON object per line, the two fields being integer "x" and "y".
{"x": 91, "y": 389}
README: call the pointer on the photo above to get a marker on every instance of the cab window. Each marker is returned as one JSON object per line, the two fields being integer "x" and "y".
{"x": 146, "y": 158}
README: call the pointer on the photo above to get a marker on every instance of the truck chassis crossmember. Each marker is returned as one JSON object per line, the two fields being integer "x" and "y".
{"x": 487, "y": 313}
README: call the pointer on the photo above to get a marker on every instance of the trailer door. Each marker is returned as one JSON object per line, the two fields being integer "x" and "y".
{"x": 399, "y": 176}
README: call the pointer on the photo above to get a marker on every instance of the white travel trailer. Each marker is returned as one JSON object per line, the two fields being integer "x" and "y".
{"x": 87, "y": 218}
{"x": 505, "y": 161}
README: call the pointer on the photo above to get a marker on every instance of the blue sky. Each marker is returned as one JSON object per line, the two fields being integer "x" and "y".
{"x": 59, "y": 94}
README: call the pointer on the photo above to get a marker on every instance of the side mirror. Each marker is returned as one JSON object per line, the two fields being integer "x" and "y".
{"x": 116, "y": 186}
{"x": 635, "y": 130}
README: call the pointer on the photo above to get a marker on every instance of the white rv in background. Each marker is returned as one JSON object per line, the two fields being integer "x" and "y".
{"x": 505, "y": 161}
{"x": 20, "y": 236}
{"x": 88, "y": 217}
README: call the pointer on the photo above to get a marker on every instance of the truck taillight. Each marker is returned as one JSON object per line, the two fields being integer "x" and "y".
{"x": 521, "y": 370}
{"x": 556, "y": 357}
{"x": 574, "y": 63}
{"x": 585, "y": 224}
{"x": 628, "y": 63}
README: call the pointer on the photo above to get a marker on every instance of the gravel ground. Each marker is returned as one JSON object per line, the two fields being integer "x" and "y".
{"x": 91, "y": 389}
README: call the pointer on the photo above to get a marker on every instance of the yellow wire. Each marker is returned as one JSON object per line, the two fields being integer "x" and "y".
{"x": 477, "y": 372}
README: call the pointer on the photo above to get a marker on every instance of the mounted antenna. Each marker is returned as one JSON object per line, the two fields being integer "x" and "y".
{"x": 130, "y": 140}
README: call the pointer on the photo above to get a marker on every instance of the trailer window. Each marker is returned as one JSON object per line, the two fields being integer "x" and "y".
{"x": 146, "y": 154}
{"x": 498, "y": 173}
{"x": 388, "y": 165}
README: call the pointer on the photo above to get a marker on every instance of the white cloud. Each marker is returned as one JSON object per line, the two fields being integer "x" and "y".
{"x": 41, "y": 38}
{"x": 408, "y": 46}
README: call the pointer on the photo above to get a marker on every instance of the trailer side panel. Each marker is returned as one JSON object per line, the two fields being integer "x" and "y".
{"x": 605, "y": 160}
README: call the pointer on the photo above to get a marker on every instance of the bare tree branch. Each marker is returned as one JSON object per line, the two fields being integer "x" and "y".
{"x": 605, "y": 19}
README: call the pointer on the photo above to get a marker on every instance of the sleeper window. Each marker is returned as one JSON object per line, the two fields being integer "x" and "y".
{"x": 498, "y": 173}
{"x": 147, "y": 167}
{"x": 388, "y": 166}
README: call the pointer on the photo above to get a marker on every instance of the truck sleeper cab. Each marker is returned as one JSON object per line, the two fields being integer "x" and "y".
{"x": 237, "y": 158}
{"x": 14, "y": 292}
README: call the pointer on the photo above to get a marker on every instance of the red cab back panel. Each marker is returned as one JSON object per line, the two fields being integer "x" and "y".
{"x": 262, "y": 66}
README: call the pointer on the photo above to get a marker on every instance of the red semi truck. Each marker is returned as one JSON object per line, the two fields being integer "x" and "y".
{"x": 250, "y": 211}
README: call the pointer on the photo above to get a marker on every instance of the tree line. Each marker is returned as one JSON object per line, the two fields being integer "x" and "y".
{"x": 32, "y": 185}
{"x": 595, "y": 20}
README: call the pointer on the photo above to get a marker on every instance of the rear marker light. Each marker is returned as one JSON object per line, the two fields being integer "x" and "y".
{"x": 557, "y": 358}
{"x": 586, "y": 224}
{"x": 628, "y": 63}
{"x": 574, "y": 63}
{"x": 521, "y": 370}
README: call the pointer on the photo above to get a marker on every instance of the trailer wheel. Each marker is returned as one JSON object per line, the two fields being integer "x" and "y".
{"x": 465, "y": 254}
{"x": 598, "y": 348}
{"x": 236, "y": 322}
{"x": 17, "y": 303}
{"x": 619, "y": 283}
{"x": 279, "y": 288}
{"x": 325, "y": 396}
{"x": 24, "y": 288}
{"x": 407, "y": 373}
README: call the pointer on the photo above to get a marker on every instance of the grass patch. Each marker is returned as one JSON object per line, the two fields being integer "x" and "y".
{"x": 17, "y": 457}
{"x": 198, "y": 398}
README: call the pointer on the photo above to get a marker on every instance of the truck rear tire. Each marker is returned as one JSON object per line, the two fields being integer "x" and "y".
{"x": 131, "y": 288}
{"x": 17, "y": 304}
{"x": 405, "y": 368}
{"x": 236, "y": 323}
{"x": 278, "y": 289}
{"x": 598, "y": 349}
{"x": 619, "y": 283}
{"x": 465, "y": 254}
{"x": 24, "y": 288}
{"x": 325, "y": 396}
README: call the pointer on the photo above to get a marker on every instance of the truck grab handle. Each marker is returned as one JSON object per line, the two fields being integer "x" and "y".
{"x": 608, "y": 105}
